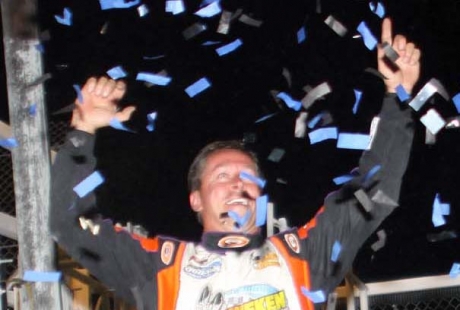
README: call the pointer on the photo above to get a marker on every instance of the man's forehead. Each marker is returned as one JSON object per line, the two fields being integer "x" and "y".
{"x": 229, "y": 157}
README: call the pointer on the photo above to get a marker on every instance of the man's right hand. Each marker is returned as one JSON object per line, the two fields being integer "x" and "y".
{"x": 99, "y": 106}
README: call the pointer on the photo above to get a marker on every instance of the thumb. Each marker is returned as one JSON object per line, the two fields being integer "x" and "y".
{"x": 125, "y": 114}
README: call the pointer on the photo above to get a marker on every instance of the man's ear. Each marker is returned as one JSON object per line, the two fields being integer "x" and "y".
{"x": 195, "y": 201}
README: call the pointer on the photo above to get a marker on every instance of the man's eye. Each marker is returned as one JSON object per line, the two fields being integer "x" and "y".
{"x": 222, "y": 176}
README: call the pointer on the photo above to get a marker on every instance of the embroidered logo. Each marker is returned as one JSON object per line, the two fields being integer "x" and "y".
{"x": 167, "y": 251}
{"x": 233, "y": 241}
{"x": 269, "y": 259}
{"x": 203, "y": 266}
{"x": 293, "y": 242}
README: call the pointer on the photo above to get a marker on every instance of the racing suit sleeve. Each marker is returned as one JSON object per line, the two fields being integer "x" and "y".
{"x": 114, "y": 257}
{"x": 351, "y": 214}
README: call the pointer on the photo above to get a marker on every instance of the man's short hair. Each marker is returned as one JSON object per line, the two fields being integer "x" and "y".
{"x": 196, "y": 168}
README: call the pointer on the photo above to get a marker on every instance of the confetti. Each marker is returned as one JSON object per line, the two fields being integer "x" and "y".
{"x": 456, "y": 100}
{"x": 240, "y": 220}
{"x": 402, "y": 93}
{"x": 314, "y": 121}
{"x": 390, "y": 53}
{"x": 371, "y": 173}
{"x": 342, "y": 179}
{"x": 40, "y": 80}
{"x": 156, "y": 79}
{"x": 439, "y": 211}
{"x": 263, "y": 118}
{"x": 453, "y": 122}
{"x": 276, "y": 155}
{"x": 8, "y": 143}
{"x": 66, "y": 19}
{"x": 223, "y": 50}
{"x": 224, "y": 22}
{"x": 358, "y": 94}
{"x": 318, "y": 92}
{"x": 380, "y": 243}
{"x": 245, "y": 19}
{"x": 369, "y": 39}
{"x": 40, "y": 47}
{"x": 301, "y": 35}
{"x": 336, "y": 249}
{"x": 117, "y": 4}
{"x": 174, "y": 6}
{"x": 209, "y": 43}
{"x": 151, "y": 117}
{"x": 291, "y": 103}
{"x": 261, "y": 210}
{"x": 287, "y": 76}
{"x": 77, "y": 89}
{"x": 455, "y": 270}
{"x": 336, "y": 26}
{"x": 116, "y": 124}
{"x": 428, "y": 90}
{"x": 193, "y": 30}
{"x": 197, "y": 87}
{"x": 378, "y": 9}
{"x": 300, "y": 125}
{"x": 33, "y": 109}
{"x": 89, "y": 184}
{"x": 323, "y": 134}
{"x": 209, "y": 10}
{"x": 353, "y": 141}
{"x": 116, "y": 73}
{"x": 314, "y": 296}
{"x": 433, "y": 121}
{"x": 364, "y": 200}
{"x": 259, "y": 181}
{"x": 441, "y": 236}
{"x": 143, "y": 10}
{"x": 41, "y": 276}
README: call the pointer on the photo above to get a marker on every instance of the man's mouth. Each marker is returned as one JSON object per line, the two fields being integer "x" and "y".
{"x": 238, "y": 201}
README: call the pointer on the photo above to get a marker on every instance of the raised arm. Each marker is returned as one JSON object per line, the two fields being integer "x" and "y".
{"x": 351, "y": 214}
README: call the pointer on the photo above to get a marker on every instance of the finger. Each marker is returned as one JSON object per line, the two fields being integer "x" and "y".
{"x": 119, "y": 91}
{"x": 409, "y": 51}
{"x": 387, "y": 32}
{"x": 100, "y": 85}
{"x": 108, "y": 88}
{"x": 415, "y": 57}
{"x": 125, "y": 114}
{"x": 399, "y": 44}
{"x": 90, "y": 84}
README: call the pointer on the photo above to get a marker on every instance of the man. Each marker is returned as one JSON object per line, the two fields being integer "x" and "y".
{"x": 233, "y": 267}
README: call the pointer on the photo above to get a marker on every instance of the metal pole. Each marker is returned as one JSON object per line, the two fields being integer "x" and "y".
{"x": 31, "y": 160}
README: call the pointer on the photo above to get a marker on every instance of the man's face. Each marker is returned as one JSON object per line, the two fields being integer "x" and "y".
{"x": 222, "y": 191}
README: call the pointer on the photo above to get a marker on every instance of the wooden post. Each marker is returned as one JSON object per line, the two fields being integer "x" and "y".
{"x": 31, "y": 160}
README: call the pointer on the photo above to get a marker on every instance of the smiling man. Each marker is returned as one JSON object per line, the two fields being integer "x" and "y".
{"x": 233, "y": 266}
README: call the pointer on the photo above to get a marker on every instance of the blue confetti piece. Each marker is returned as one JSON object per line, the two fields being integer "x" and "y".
{"x": 151, "y": 117}
{"x": 209, "y": 10}
{"x": 209, "y": 43}
{"x": 314, "y": 121}
{"x": 143, "y": 10}
{"x": 336, "y": 249}
{"x": 40, "y": 48}
{"x": 371, "y": 173}
{"x": 369, "y": 39}
{"x": 378, "y": 9}
{"x": 402, "y": 93}
{"x": 33, "y": 109}
{"x": 301, "y": 35}
{"x": 358, "y": 95}
{"x": 116, "y": 124}
{"x": 455, "y": 270}
{"x": 259, "y": 181}
{"x": 342, "y": 179}
{"x": 78, "y": 91}
{"x": 66, "y": 19}
{"x": 291, "y": 103}
{"x": 89, "y": 184}
{"x": 116, "y": 73}
{"x": 197, "y": 87}
{"x": 223, "y": 50}
{"x": 322, "y": 134}
{"x": 240, "y": 220}
{"x": 314, "y": 296}
{"x": 153, "y": 78}
{"x": 439, "y": 211}
{"x": 456, "y": 100}
{"x": 8, "y": 143}
{"x": 117, "y": 4}
{"x": 263, "y": 118}
{"x": 175, "y": 7}
{"x": 433, "y": 121}
{"x": 206, "y": 2}
{"x": 261, "y": 210}
{"x": 41, "y": 276}
{"x": 353, "y": 141}
{"x": 153, "y": 57}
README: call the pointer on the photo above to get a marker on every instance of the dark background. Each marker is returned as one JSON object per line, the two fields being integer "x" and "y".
{"x": 146, "y": 171}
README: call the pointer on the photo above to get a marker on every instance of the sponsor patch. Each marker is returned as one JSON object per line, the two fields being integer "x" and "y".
{"x": 269, "y": 259}
{"x": 167, "y": 251}
{"x": 276, "y": 301}
{"x": 203, "y": 266}
{"x": 293, "y": 242}
{"x": 233, "y": 241}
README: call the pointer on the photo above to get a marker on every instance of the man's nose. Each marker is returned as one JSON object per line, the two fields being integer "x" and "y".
{"x": 237, "y": 182}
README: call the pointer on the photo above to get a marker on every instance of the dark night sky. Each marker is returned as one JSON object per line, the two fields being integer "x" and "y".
{"x": 145, "y": 172}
